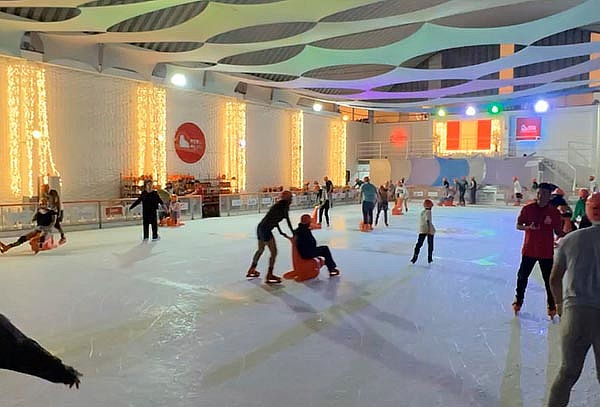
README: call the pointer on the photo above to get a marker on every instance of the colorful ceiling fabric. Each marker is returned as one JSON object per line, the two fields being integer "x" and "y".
{"x": 353, "y": 52}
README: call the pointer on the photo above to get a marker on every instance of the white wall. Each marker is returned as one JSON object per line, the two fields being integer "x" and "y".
{"x": 316, "y": 143}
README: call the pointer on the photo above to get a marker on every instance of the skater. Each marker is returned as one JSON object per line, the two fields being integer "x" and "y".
{"x": 264, "y": 232}
{"x": 368, "y": 196}
{"x": 24, "y": 355}
{"x": 593, "y": 184}
{"x": 307, "y": 245}
{"x": 446, "y": 185}
{"x": 150, "y": 203}
{"x": 175, "y": 209}
{"x": 382, "y": 204}
{"x": 540, "y": 221}
{"x": 324, "y": 198}
{"x": 426, "y": 230}
{"x": 577, "y": 263}
{"x": 55, "y": 204}
{"x": 462, "y": 190}
{"x": 45, "y": 219}
{"x": 402, "y": 193}
{"x": 517, "y": 191}
{"x": 473, "y": 191}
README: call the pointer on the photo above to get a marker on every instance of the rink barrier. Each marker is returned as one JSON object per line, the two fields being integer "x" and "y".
{"x": 245, "y": 204}
{"x": 90, "y": 214}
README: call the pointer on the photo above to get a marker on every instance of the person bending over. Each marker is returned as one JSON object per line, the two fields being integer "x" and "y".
{"x": 307, "y": 245}
{"x": 24, "y": 355}
{"x": 55, "y": 204}
{"x": 45, "y": 220}
{"x": 264, "y": 232}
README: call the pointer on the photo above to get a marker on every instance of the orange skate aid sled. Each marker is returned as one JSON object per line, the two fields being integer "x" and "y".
{"x": 304, "y": 269}
{"x": 397, "y": 209}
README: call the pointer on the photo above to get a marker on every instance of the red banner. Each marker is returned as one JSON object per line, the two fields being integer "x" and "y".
{"x": 484, "y": 134}
{"x": 529, "y": 128}
{"x": 453, "y": 135}
{"x": 190, "y": 143}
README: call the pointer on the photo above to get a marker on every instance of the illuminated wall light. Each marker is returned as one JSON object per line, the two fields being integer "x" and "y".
{"x": 317, "y": 107}
{"x": 337, "y": 152}
{"x": 151, "y": 125}
{"x": 179, "y": 79}
{"x": 37, "y": 134}
{"x": 495, "y": 108}
{"x": 541, "y": 106}
{"x": 235, "y": 143}
{"x": 345, "y": 117}
{"x": 441, "y": 112}
{"x": 297, "y": 147}
{"x": 471, "y": 111}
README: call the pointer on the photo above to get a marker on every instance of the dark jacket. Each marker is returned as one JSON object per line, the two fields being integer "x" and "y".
{"x": 150, "y": 202}
{"x": 278, "y": 212}
{"x": 24, "y": 355}
{"x": 44, "y": 218}
{"x": 305, "y": 241}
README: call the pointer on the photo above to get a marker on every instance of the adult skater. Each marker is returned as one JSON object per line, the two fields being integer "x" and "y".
{"x": 462, "y": 190}
{"x": 473, "y": 191}
{"x": 517, "y": 191}
{"x": 540, "y": 221}
{"x": 426, "y": 230}
{"x": 593, "y": 184}
{"x": 382, "y": 204}
{"x": 150, "y": 201}
{"x": 324, "y": 198}
{"x": 45, "y": 219}
{"x": 24, "y": 355}
{"x": 55, "y": 204}
{"x": 446, "y": 185}
{"x": 577, "y": 263}
{"x": 368, "y": 197}
{"x": 264, "y": 232}
{"x": 579, "y": 211}
{"x": 403, "y": 193}
{"x": 307, "y": 245}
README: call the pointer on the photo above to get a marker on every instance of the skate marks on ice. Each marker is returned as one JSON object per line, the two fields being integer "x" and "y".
{"x": 136, "y": 254}
{"x": 336, "y": 324}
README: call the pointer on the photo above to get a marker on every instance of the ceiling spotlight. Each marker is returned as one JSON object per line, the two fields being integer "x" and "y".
{"x": 317, "y": 107}
{"x": 471, "y": 111}
{"x": 37, "y": 134}
{"x": 541, "y": 106}
{"x": 179, "y": 79}
{"x": 345, "y": 118}
{"x": 441, "y": 112}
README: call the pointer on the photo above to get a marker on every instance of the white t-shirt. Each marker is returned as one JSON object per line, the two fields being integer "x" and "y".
{"x": 517, "y": 186}
{"x": 593, "y": 186}
{"x": 423, "y": 226}
{"x": 400, "y": 192}
{"x": 579, "y": 252}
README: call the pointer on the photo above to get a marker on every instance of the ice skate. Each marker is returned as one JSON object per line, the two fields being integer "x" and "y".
{"x": 516, "y": 307}
{"x": 62, "y": 240}
{"x": 3, "y": 248}
{"x": 252, "y": 273}
{"x": 334, "y": 272}
{"x": 273, "y": 279}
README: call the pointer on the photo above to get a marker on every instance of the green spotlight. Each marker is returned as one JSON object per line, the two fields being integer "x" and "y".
{"x": 495, "y": 108}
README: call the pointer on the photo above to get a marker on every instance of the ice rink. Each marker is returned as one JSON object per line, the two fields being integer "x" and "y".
{"x": 175, "y": 323}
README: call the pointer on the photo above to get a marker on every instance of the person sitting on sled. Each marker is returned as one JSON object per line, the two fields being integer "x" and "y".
{"x": 307, "y": 245}
{"x": 45, "y": 220}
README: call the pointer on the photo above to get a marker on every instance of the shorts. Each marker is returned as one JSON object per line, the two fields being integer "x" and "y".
{"x": 264, "y": 235}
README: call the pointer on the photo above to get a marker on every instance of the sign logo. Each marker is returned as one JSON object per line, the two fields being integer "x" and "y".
{"x": 529, "y": 128}
{"x": 190, "y": 143}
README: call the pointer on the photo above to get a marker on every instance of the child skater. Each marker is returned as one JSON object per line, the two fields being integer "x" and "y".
{"x": 175, "y": 209}
{"x": 382, "y": 204}
{"x": 45, "y": 219}
{"x": 150, "y": 202}
{"x": 264, "y": 232}
{"x": 307, "y": 246}
{"x": 426, "y": 230}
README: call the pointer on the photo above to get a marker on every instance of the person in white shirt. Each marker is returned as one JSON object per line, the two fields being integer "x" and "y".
{"x": 518, "y": 191}
{"x": 577, "y": 265}
{"x": 593, "y": 184}
{"x": 426, "y": 230}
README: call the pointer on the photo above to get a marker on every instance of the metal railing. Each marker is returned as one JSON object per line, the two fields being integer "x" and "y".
{"x": 90, "y": 214}
{"x": 243, "y": 204}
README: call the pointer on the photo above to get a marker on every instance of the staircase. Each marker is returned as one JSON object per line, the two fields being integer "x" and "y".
{"x": 559, "y": 173}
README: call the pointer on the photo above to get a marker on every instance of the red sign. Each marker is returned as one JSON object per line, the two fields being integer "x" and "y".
{"x": 113, "y": 211}
{"x": 190, "y": 143}
{"x": 529, "y": 128}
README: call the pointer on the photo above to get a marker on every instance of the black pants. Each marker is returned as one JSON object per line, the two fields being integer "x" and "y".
{"x": 473, "y": 197}
{"x": 462, "y": 197}
{"x": 150, "y": 220}
{"x": 323, "y": 251}
{"x": 419, "y": 244}
{"x": 367, "y": 211}
{"x": 527, "y": 264}
{"x": 382, "y": 206}
{"x": 324, "y": 208}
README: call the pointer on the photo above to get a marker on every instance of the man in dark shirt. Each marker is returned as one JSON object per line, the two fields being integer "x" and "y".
{"x": 473, "y": 189}
{"x": 462, "y": 189}
{"x": 278, "y": 212}
{"x": 24, "y": 355}
{"x": 150, "y": 201}
{"x": 45, "y": 220}
{"x": 307, "y": 245}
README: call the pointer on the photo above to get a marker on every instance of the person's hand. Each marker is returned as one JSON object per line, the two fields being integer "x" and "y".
{"x": 72, "y": 377}
{"x": 559, "y": 309}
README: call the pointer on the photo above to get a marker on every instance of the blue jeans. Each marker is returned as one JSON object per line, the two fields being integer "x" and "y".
{"x": 367, "y": 210}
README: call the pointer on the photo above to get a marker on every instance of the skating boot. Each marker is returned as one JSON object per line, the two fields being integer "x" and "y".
{"x": 551, "y": 313}
{"x": 516, "y": 307}
{"x": 252, "y": 273}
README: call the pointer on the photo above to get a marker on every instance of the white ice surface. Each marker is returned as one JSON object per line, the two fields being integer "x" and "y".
{"x": 174, "y": 323}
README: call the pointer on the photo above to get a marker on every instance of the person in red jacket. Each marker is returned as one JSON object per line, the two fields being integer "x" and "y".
{"x": 540, "y": 221}
{"x": 24, "y": 355}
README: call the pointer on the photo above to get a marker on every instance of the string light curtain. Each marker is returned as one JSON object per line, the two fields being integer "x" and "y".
{"x": 151, "y": 108}
{"x": 337, "y": 152}
{"x": 30, "y": 152}
{"x": 297, "y": 147}
{"x": 235, "y": 143}
{"x": 469, "y": 145}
